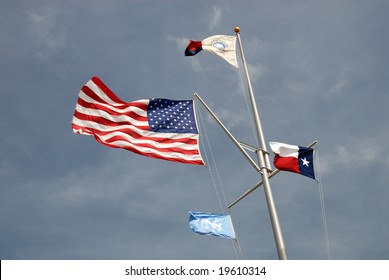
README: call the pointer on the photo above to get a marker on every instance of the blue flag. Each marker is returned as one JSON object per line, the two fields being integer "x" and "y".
{"x": 211, "y": 224}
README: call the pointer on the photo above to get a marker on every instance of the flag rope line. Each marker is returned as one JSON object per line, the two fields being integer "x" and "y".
{"x": 245, "y": 94}
{"x": 203, "y": 140}
{"x": 235, "y": 243}
{"x": 322, "y": 206}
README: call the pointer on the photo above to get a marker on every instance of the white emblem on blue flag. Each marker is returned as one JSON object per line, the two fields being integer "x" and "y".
{"x": 211, "y": 224}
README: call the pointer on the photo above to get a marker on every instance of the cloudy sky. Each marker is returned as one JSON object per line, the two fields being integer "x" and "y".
{"x": 319, "y": 69}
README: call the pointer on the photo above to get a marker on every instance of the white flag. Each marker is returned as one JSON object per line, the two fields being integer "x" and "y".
{"x": 221, "y": 45}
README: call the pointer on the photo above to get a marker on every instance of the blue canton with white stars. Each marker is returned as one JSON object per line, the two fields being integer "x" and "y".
{"x": 171, "y": 116}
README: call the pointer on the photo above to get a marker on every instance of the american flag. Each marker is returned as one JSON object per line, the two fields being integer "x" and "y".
{"x": 158, "y": 128}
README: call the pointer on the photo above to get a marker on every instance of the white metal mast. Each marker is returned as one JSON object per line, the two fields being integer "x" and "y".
{"x": 264, "y": 162}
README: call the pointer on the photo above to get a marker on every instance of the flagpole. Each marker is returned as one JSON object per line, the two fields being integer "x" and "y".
{"x": 264, "y": 162}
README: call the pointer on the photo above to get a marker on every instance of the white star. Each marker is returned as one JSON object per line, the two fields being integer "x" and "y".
{"x": 305, "y": 162}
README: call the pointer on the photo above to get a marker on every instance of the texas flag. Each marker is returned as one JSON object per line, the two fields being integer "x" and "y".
{"x": 293, "y": 158}
{"x": 221, "y": 45}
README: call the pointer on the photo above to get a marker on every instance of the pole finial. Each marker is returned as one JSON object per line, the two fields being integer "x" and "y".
{"x": 237, "y": 29}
